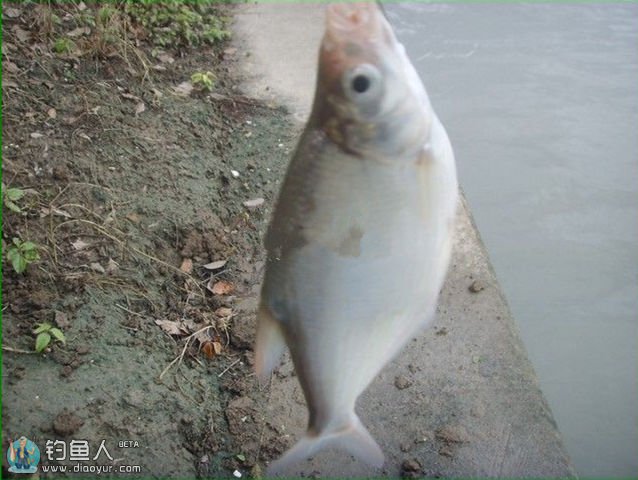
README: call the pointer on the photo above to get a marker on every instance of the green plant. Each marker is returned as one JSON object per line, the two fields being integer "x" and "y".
{"x": 10, "y": 196}
{"x": 205, "y": 79}
{"x": 44, "y": 333}
{"x": 177, "y": 23}
{"x": 21, "y": 254}
{"x": 63, "y": 45}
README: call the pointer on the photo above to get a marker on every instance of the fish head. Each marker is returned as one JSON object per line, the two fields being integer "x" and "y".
{"x": 369, "y": 99}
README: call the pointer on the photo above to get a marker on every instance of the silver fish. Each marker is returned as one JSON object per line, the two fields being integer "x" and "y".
{"x": 360, "y": 241}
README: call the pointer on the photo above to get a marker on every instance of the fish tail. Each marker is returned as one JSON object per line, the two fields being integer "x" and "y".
{"x": 354, "y": 438}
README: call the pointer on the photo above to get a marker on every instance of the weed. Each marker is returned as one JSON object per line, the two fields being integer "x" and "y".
{"x": 63, "y": 46}
{"x": 44, "y": 333}
{"x": 177, "y": 23}
{"x": 22, "y": 254}
{"x": 10, "y": 196}
{"x": 204, "y": 79}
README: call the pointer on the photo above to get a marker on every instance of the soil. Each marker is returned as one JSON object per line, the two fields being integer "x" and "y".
{"x": 131, "y": 188}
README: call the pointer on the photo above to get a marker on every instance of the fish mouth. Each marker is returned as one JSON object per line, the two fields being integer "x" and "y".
{"x": 354, "y": 33}
{"x": 351, "y": 18}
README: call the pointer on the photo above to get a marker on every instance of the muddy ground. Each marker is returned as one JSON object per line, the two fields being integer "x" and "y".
{"x": 132, "y": 186}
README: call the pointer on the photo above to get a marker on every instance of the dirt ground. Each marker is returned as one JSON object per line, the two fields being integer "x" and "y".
{"x": 133, "y": 184}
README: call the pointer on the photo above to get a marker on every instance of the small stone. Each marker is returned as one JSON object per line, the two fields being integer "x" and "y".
{"x": 411, "y": 469}
{"x": 402, "y": 382}
{"x": 405, "y": 446}
{"x": 66, "y": 424}
{"x": 452, "y": 434}
{"x": 82, "y": 349}
{"x": 477, "y": 286}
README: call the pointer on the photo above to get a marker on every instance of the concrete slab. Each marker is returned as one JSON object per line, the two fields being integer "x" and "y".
{"x": 462, "y": 399}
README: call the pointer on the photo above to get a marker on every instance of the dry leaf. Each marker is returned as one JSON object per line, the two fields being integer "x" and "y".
{"x": 36, "y": 135}
{"x": 133, "y": 217}
{"x": 203, "y": 336}
{"x": 52, "y": 113}
{"x": 171, "y": 327}
{"x": 81, "y": 6}
{"x": 222, "y": 287}
{"x": 79, "y": 31}
{"x": 215, "y": 265}
{"x": 22, "y": 35}
{"x": 130, "y": 96}
{"x": 254, "y": 203}
{"x": 208, "y": 349}
{"x": 12, "y": 12}
{"x": 223, "y": 312}
{"x": 187, "y": 265}
{"x": 44, "y": 211}
{"x": 61, "y": 213}
{"x": 112, "y": 267}
{"x": 62, "y": 319}
{"x": 10, "y": 67}
{"x": 165, "y": 58}
{"x": 139, "y": 108}
{"x": 184, "y": 89}
{"x": 6, "y": 83}
{"x": 79, "y": 244}
{"x": 7, "y": 47}
{"x": 97, "y": 267}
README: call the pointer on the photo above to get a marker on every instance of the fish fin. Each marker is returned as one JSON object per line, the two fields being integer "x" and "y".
{"x": 354, "y": 438}
{"x": 269, "y": 345}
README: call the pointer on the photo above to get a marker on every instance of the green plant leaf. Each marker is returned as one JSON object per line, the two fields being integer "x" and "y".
{"x": 31, "y": 256}
{"x": 57, "y": 333}
{"x": 17, "y": 242}
{"x": 43, "y": 327}
{"x": 28, "y": 246}
{"x": 240, "y": 457}
{"x": 12, "y": 206}
{"x": 14, "y": 194}
{"x": 42, "y": 341}
{"x": 19, "y": 263}
{"x": 12, "y": 252}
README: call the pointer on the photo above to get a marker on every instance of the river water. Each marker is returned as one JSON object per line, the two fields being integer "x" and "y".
{"x": 541, "y": 104}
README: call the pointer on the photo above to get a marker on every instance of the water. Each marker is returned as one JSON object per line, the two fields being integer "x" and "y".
{"x": 541, "y": 104}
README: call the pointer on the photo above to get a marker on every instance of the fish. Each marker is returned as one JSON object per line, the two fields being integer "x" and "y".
{"x": 360, "y": 239}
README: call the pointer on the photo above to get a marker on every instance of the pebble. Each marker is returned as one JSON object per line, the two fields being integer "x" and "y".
{"x": 411, "y": 469}
{"x": 476, "y": 286}
{"x": 402, "y": 382}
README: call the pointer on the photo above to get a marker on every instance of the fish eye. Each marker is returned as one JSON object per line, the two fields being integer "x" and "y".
{"x": 362, "y": 84}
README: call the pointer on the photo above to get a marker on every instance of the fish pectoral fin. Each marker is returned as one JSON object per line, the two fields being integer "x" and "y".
{"x": 269, "y": 345}
{"x": 354, "y": 438}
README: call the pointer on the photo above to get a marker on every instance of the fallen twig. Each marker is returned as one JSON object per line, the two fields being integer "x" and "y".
{"x": 229, "y": 367}
{"x": 16, "y": 350}
{"x": 180, "y": 357}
